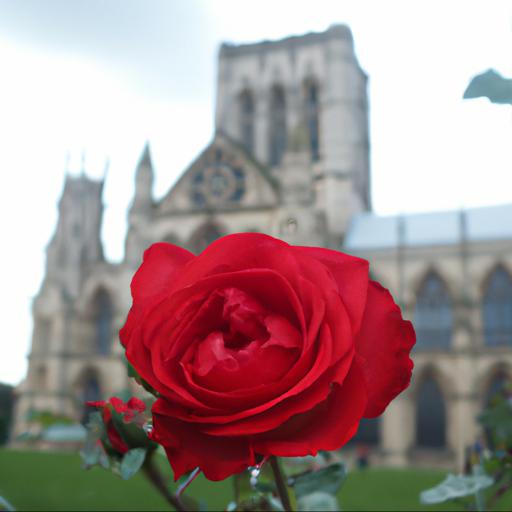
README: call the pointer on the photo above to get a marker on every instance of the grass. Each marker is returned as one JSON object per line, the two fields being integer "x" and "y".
{"x": 55, "y": 481}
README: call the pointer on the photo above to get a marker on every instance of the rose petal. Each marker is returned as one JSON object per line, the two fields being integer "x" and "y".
{"x": 283, "y": 411}
{"x": 351, "y": 276}
{"x": 188, "y": 448}
{"x": 113, "y": 435}
{"x": 328, "y": 426}
{"x": 384, "y": 342}
{"x": 136, "y": 404}
{"x": 280, "y": 393}
{"x": 161, "y": 265}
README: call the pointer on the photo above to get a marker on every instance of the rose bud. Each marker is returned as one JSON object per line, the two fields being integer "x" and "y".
{"x": 123, "y": 424}
{"x": 258, "y": 348}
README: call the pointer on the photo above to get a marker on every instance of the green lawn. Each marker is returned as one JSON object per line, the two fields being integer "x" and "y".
{"x": 55, "y": 481}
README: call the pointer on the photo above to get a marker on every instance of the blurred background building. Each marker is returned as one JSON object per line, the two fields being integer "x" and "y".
{"x": 289, "y": 157}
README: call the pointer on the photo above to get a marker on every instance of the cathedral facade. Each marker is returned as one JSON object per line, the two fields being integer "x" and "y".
{"x": 289, "y": 157}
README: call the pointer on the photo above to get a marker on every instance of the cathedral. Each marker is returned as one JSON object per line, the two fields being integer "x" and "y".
{"x": 289, "y": 157}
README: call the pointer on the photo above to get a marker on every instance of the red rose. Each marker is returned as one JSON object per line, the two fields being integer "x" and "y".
{"x": 259, "y": 348}
{"x": 130, "y": 411}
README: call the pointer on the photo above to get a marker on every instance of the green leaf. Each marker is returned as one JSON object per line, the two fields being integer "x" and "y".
{"x": 259, "y": 502}
{"x": 132, "y": 372}
{"x": 490, "y": 85}
{"x": 492, "y": 465}
{"x": 498, "y": 419}
{"x": 455, "y": 486}
{"x": 132, "y": 462}
{"x": 318, "y": 501}
{"x": 133, "y": 435}
{"x": 325, "y": 480}
{"x": 5, "y": 505}
{"x": 93, "y": 451}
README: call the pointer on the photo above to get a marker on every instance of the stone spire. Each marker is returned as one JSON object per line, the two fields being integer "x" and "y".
{"x": 144, "y": 176}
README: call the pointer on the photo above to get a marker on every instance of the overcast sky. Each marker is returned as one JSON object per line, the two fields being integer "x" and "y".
{"x": 104, "y": 76}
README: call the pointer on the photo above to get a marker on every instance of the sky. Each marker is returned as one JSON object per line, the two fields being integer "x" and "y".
{"x": 86, "y": 81}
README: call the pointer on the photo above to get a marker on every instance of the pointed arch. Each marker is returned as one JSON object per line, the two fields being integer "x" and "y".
{"x": 497, "y": 308}
{"x": 495, "y": 380}
{"x": 103, "y": 321}
{"x": 497, "y": 384}
{"x": 433, "y": 314}
{"x": 312, "y": 115}
{"x": 89, "y": 390}
{"x": 246, "y": 118}
{"x": 277, "y": 125}
{"x": 368, "y": 432}
{"x": 204, "y": 236}
{"x": 430, "y": 413}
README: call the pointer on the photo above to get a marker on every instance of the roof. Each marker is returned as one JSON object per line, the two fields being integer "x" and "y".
{"x": 370, "y": 231}
{"x": 338, "y": 31}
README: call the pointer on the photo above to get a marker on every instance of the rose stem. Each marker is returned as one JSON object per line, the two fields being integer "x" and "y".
{"x": 188, "y": 481}
{"x": 280, "y": 483}
{"x": 153, "y": 474}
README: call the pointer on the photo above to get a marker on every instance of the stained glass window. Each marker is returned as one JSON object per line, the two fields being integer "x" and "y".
{"x": 497, "y": 308}
{"x": 277, "y": 126}
{"x": 433, "y": 315}
{"x": 430, "y": 415}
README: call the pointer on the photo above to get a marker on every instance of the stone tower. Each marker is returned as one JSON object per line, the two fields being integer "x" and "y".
{"x": 73, "y": 357}
{"x": 269, "y": 90}
{"x": 76, "y": 244}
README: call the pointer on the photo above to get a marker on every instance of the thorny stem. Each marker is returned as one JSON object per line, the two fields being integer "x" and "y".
{"x": 155, "y": 477}
{"x": 280, "y": 484}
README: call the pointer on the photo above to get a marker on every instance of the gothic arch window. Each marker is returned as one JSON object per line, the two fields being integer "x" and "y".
{"x": 312, "y": 118}
{"x": 496, "y": 385}
{"x": 433, "y": 315}
{"x": 246, "y": 112}
{"x": 497, "y": 308}
{"x": 368, "y": 432}
{"x": 277, "y": 125}
{"x": 499, "y": 382}
{"x": 103, "y": 322}
{"x": 430, "y": 415}
{"x": 90, "y": 392}
{"x": 203, "y": 237}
